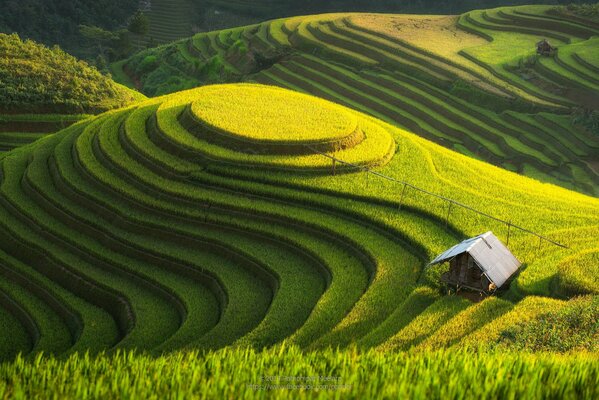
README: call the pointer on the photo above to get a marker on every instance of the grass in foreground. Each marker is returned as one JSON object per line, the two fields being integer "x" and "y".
{"x": 282, "y": 372}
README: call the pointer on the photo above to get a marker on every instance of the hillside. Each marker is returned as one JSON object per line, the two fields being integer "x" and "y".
{"x": 43, "y": 90}
{"x": 164, "y": 225}
{"x": 344, "y": 205}
{"x": 56, "y": 22}
{"x": 471, "y": 83}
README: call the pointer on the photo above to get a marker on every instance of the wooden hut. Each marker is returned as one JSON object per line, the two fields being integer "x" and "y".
{"x": 481, "y": 263}
{"x": 545, "y": 49}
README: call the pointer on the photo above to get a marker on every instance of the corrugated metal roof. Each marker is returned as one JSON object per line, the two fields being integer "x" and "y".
{"x": 494, "y": 259}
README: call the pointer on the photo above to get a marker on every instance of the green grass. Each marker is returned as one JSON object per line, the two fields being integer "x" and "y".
{"x": 154, "y": 316}
{"x": 425, "y": 323}
{"x": 247, "y": 295}
{"x": 353, "y": 48}
{"x": 119, "y": 75}
{"x": 323, "y": 122}
{"x": 138, "y": 230}
{"x": 567, "y": 75}
{"x": 266, "y": 208}
{"x": 244, "y": 373}
{"x": 87, "y": 324}
{"x": 586, "y": 51}
{"x": 348, "y": 281}
{"x": 169, "y": 20}
{"x": 174, "y": 252}
{"x": 462, "y": 117}
{"x": 572, "y": 274}
{"x": 54, "y": 335}
{"x": 375, "y": 149}
{"x": 418, "y": 301}
{"x": 311, "y": 282}
{"x": 528, "y": 309}
{"x": 45, "y": 90}
{"x": 507, "y": 48}
{"x": 569, "y": 329}
{"x": 467, "y": 321}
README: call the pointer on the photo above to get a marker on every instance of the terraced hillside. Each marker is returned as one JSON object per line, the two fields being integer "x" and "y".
{"x": 19, "y": 129}
{"x": 44, "y": 90}
{"x": 471, "y": 83}
{"x": 169, "y": 20}
{"x": 165, "y": 225}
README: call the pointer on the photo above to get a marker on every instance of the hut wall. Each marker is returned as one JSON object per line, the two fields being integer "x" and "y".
{"x": 463, "y": 271}
{"x": 458, "y": 268}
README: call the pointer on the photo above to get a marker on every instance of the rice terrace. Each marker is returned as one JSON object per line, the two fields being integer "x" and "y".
{"x": 266, "y": 199}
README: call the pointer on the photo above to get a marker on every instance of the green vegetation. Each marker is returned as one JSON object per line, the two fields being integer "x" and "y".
{"x": 270, "y": 115}
{"x": 39, "y": 79}
{"x": 168, "y": 239}
{"x": 20, "y": 129}
{"x": 590, "y": 11}
{"x": 425, "y": 323}
{"x": 166, "y": 21}
{"x": 45, "y": 90}
{"x": 471, "y": 83}
{"x": 367, "y": 145}
{"x": 55, "y": 22}
{"x": 188, "y": 237}
{"x": 286, "y": 371}
{"x": 138, "y": 23}
{"x": 573, "y": 328}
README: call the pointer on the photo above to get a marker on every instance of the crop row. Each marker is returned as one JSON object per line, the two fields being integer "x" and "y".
{"x": 268, "y": 207}
{"x": 182, "y": 253}
{"x": 87, "y": 170}
{"x": 420, "y": 105}
{"x": 554, "y": 73}
{"x": 337, "y": 57}
{"x": 110, "y": 175}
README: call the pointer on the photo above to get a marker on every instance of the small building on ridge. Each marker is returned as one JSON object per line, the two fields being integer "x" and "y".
{"x": 545, "y": 49}
{"x": 482, "y": 263}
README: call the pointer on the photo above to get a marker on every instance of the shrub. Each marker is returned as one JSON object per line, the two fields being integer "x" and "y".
{"x": 149, "y": 63}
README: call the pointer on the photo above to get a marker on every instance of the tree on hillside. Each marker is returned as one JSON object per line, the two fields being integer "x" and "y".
{"x": 139, "y": 23}
{"x": 111, "y": 44}
{"x": 101, "y": 37}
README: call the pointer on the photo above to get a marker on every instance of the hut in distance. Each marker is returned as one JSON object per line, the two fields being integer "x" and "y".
{"x": 545, "y": 49}
{"x": 482, "y": 264}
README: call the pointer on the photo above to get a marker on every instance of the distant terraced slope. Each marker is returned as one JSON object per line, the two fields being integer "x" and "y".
{"x": 470, "y": 83}
{"x": 172, "y": 224}
{"x": 169, "y": 20}
{"x": 512, "y": 33}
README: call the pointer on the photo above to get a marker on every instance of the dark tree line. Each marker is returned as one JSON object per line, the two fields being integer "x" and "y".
{"x": 57, "y": 21}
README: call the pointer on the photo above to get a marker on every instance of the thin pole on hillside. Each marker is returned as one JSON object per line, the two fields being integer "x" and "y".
{"x": 448, "y": 212}
{"x": 451, "y": 201}
{"x": 403, "y": 192}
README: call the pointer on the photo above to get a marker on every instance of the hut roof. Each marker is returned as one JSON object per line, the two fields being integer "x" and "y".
{"x": 492, "y": 257}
